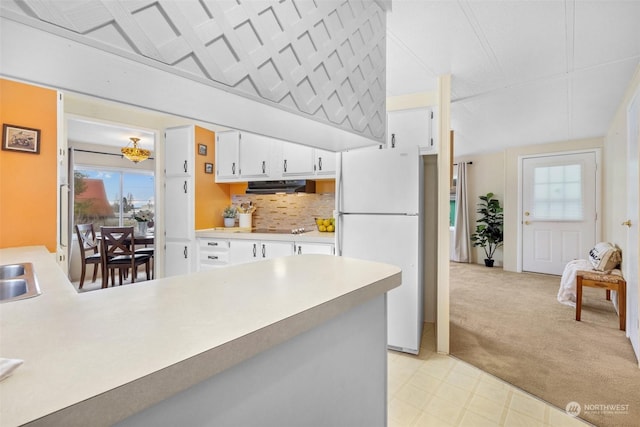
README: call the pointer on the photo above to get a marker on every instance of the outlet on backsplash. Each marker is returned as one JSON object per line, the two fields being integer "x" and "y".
{"x": 288, "y": 211}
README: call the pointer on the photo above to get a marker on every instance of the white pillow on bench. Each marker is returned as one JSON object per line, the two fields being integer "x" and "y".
{"x": 604, "y": 256}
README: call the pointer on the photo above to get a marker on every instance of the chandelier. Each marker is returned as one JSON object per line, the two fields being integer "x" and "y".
{"x": 134, "y": 153}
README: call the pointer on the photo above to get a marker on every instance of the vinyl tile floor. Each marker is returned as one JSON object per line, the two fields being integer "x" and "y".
{"x": 431, "y": 389}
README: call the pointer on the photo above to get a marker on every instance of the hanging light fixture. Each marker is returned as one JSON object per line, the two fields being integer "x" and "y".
{"x": 134, "y": 153}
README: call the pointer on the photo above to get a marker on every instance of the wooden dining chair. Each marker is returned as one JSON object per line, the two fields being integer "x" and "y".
{"x": 119, "y": 252}
{"x": 89, "y": 250}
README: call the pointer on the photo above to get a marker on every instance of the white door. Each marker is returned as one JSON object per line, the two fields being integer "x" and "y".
{"x": 178, "y": 258}
{"x": 179, "y": 147}
{"x": 255, "y": 151}
{"x": 380, "y": 181}
{"x": 559, "y": 210}
{"x": 392, "y": 239}
{"x": 297, "y": 160}
{"x": 325, "y": 162}
{"x": 227, "y": 155}
{"x": 631, "y": 257}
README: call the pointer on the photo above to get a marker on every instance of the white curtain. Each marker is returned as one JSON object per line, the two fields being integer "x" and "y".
{"x": 461, "y": 242}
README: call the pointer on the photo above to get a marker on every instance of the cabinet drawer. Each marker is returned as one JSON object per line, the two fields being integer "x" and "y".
{"x": 213, "y": 244}
{"x": 208, "y": 260}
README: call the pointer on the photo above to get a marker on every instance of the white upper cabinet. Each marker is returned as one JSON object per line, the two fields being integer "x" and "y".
{"x": 297, "y": 160}
{"x": 325, "y": 162}
{"x": 243, "y": 156}
{"x": 179, "y": 151}
{"x": 227, "y": 156}
{"x": 411, "y": 128}
{"x": 255, "y": 155}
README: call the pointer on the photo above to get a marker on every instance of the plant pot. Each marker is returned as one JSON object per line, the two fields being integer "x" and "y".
{"x": 229, "y": 222}
{"x": 488, "y": 262}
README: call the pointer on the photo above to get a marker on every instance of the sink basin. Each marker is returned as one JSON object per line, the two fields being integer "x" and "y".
{"x": 11, "y": 270}
{"x": 17, "y": 282}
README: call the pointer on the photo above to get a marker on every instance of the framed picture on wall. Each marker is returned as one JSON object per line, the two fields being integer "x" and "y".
{"x": 208, "y": 168}
{"x": 20, "y": 138}
{"x": 202, "y": 149}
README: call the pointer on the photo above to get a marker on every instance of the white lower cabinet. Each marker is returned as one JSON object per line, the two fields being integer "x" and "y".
{"x": 212, "y": 253}
{"x": 242, "y": 251}
{"x": 178, "y": 256}
{"x": 301, "y": 248}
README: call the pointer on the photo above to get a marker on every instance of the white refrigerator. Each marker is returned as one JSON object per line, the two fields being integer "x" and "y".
{"x": 379, "y": 218}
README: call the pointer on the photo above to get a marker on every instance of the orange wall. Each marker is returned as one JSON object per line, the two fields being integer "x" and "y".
{"x": 211, "y": 198}
{"x": 28, "y": 182}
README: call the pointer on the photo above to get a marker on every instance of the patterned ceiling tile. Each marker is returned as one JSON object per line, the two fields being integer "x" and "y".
{"x": 323, "y": 59}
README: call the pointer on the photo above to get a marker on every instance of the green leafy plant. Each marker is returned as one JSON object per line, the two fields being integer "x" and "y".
{"x": 489, "y": 231}
{"x": 229, "y": 212}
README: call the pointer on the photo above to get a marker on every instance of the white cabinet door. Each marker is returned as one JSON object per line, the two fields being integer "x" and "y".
{"x": 410, "y": 128}
{"x": 325, "y": 162}
{"x": 297, "y": 160}
{"x": 179, "y": 208}
{"x": 313, "y": 248}
{"x": 227, "y": 156}
{"x": 178, "y": 258}
{"x": 242, "y": 251}
{"x": 179, "y": 149}
{"x": 255, "y": 152}
{"x": 275, "y": 249}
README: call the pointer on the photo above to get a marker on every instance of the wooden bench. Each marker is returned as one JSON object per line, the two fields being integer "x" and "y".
{"x": 602, "y": 280}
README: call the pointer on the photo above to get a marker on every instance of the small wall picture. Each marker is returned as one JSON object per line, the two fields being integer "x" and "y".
{"x": 19, "y": 138}
{"x": 202, "y": 149}
{"x": 208, "y": 168}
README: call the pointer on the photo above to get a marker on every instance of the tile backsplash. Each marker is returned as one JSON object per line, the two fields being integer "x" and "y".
{"x": 288, "y": 211}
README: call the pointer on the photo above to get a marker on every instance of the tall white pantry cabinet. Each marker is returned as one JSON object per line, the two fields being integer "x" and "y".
{"x": 180, "y": 235}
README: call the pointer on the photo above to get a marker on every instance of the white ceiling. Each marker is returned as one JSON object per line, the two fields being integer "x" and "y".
{"x": 523, "y": 72}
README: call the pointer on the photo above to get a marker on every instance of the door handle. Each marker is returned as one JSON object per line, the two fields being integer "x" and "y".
{"x": 254, "y": 250}
{"x": 393, "y": 140}
{"x": 527, "y": 223}
{"x": 285, "y": 165}
{"x": 627, "y": 223}
{"x": 319, "y": 163}
{"x": 527, "y": 213}
{"x": 264, "y": 166}
{"x": 185, "y": 166}
{"x": 264, "y": 251}
{"x": 212, "y": 257}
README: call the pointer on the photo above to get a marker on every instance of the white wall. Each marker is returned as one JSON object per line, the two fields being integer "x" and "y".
{"x": 485, "y": 175}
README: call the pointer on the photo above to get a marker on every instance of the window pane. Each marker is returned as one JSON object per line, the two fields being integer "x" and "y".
{"x": 109, "y": 197}
{"x": 557, "y": 192}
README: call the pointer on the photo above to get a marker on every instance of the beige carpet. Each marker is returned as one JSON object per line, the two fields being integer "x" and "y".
{"x": 511, "y": 325}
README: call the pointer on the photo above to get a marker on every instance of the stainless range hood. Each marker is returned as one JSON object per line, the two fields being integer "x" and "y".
{"x": 287, "y": 186}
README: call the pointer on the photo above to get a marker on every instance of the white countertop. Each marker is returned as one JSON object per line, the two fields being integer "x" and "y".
{"x": 153, "y": 339}
{"x": 236, "y": 233}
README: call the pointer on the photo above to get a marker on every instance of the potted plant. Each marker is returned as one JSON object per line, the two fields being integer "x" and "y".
{"x": 229, "y": 215}
{"x": 489, "y": 233}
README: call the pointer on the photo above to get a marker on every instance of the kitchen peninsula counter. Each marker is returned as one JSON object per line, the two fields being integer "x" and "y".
{"x": 241, "y": 338}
